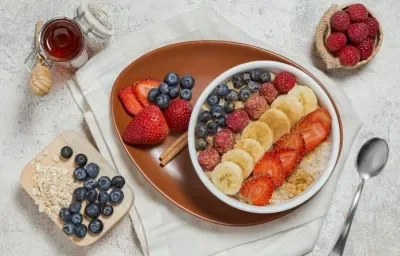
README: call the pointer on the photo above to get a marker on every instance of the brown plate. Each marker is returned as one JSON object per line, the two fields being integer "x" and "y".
{"x": 178, "y": 181}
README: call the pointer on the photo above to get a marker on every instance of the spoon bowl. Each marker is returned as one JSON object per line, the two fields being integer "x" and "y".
{"x": 372, "y": 158}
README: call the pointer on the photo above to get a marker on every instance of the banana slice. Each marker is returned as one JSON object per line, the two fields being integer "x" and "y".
{"x": 241, "y": 158}
{"x": 227, "y": 177}
{"x": 306, "y": 96}
{"x": 252, "y": 147}
{"x": 291, "y": 106}
{"x": 277, "y": 120}
{"x": 260, "y": 132}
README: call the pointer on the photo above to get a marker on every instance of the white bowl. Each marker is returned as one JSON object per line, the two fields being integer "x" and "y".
{"x": 323, "y": 100}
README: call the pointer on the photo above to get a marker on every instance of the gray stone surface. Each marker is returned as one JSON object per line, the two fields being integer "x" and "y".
{"x": 28, "y": 123}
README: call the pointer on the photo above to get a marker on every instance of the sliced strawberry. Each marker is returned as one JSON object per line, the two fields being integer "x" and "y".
{"x": 289, "y": 159}
{"x": 257, "y": 190}
{"x": 130, "y": 103}
{"x": 270, "y": 164}
{"x": 314, "y": 133}
{"x": 142, "y": 88}
{"x": 294, "y": 141}
{"x": 321, "y": 115}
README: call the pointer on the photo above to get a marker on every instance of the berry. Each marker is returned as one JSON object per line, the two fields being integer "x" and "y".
{"x": 95, "y": 226}
{"x": 66, "y": 152}
{"x": 201, "y": 130}
{"x": 217, "y": 111}
{"x": 92, "y": 210}
{"x": 80, "y": 173}
{"x": 255, "y": 106}
{"x": 246, "y": 77}
{"x": 232, "y": 95}
{"x": 221, "y": 121}
{"x": 340, "y": 21}
{"x": 336, "y": 41}
{"x": 253, "y": 86}
{"x": 65, "y": 214}
{"x": 153, "y": 93}
{"x": 229, "y": 106}
{"x": 357, "y": 32}
{"x": 257, "y": 190}
{"x": 174, "y": 92}
{"x": 284, "y": 82}
{"x": 357, "y": 12}
{"x": 223, "y": 141}
{"x": 80, "y": 160}
{"x": 116, "y": 196}
{"x": 162, "y": 100}
{"x": 80, "y": 194}
{"x": 319, "y": 115}
{"x": 269, "y": 92}
{"x": 186, "y": 94}
{"x": 163, "y": 88}
{"x": 187, "y": 82}
{"x": 349, "y": 55}
{"x": 142, "y": 88}
{"x": 244, "y": 93}
{"x": 271, "y": 165}
{"x": 294, "y": 141}
{"x": 265, "y": 77}
{"x": 222, "y": 90}
{"x": 237, "y": 120}
{"x": 80, "y": 230}
{"x": 75, "y": 206}
{"x": 212, "y": 127}
{"x": 237, "y": 81}
{"x": 204, "y": 116}
{"x": 212, "y": 99}
{"x": 103, "y": 197}
{"x": 201, "y": 144}
{"x": 92, "y": 195}
{"x": 129, "y": 101}
{"x": 104, "y": 183}
{"x": 76, "y": 218}
{"x": 92, "y": 170}
{"x": 118, "y": 182}
{"x": 177, "y": 115}
{"x": 366, "y": 48}
{"x": 373, "y": 27}
{"x": 69, "y": 228}
{"x": 208, "y": 159}
{"x": 289, "y": 158}
{"x": 90, "y": 183}
{"x": 107, "y": 210}
{"x": 172, "y": 79}
{"x": 147, "y": 127}
{"x": 255, "y": 75}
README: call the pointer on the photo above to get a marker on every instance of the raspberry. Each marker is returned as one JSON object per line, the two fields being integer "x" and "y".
{"x": 284, "y": 82}
{"x": 336, "y": 41}
{"x": 255, "y": 106}
{"x": 237, "y": 120}
{"x": 357, "y": 32}
{"x": 208, "y": 159}
{"x": 269, "y": 92}
{"x": 357, "y": 12}
{"x": 224, "y": 141}
{"x": 349, "y": 55}
{"x": 340, "y": 21}
{"x": 373, "y": 27}
{"x": 366, "y": 48}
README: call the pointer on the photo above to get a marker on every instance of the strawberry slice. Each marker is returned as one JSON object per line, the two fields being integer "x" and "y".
{"x": 320, "y": 115}
{"x": 294, "y": 141}
{"x": 128, "y": 100}
{"x": 142, "y": 88}
{"x": 289, "y": 159}
{"x": 257, "y": 190}
{"x": 272, "y": 165}
{"x": 314, "y": 133}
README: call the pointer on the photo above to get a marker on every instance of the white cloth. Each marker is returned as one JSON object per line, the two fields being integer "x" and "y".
{"x": 164, "y": 229}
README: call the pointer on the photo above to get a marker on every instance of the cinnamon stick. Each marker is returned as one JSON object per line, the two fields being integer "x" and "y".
{"x": 174, "y": 149}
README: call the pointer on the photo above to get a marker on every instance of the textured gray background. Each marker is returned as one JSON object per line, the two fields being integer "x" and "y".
{"x": 28, "y": 123}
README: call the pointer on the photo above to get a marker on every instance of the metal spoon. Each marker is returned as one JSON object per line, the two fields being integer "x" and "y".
{"x": 371, "y": 159}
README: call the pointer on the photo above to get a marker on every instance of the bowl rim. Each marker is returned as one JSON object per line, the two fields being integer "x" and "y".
{"x": 336, "y": 135}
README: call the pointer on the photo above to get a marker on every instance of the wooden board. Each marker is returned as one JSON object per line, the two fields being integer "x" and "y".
{"x": 79, "y": 144}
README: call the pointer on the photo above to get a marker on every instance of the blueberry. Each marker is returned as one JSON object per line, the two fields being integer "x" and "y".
{"x": 104, "y": 183}
{"x": 232, "y": 95}
{"x": 221, "y": 121}
{"x": 80, "y": 173}
{"x": 217, "y": 111}
{"x": 222, "y": 90}
{"x": 255, "y": 75}
{"x": 163, "y": 88}
{"x": 265, "y": 77}
{"x": 253, "y": 86}
{"x": 244, "y": 94}
{"x": 212, "y": 127}
{"x": 92, "y": 195}
{"x": 92, "y": 170}
{"x": 65, "y": 214}
{"x": 95, "y": 226}
{"x": 75, "y": 206}
{"x": 77, "y": 218}
{"x": 186, "y": 94}
{"x": 237, "y": 81}
{"x": 162, "y": 100}
{"x": 103, "y": 197}
{"x": 90, "y": 183}
{"x": 80, "y": 230}
{"x": 201, "y": 144}
{"x": 80, "y": 194}
{"x": 116, "y": 196}
{"x": 107, "y": 210}
{"x": 118, "y": 182}
{"x": 174, "y": 92}
{"x": 172, "y": 79}
{"x": 246, "y": 77}
{"x": 69, "y": 228}
{"x": 229, "y": 106}
{"x": 153, "y": 93}
{"x": 204, "y": 116}
{"x": 212, "y": 99}
{"x": 66, "y": 152}
{"x": 80, "y": 160}
{"x": 201, "y": 130}
{"x": 92, "y": 210}
{"x": 187, "y": 82}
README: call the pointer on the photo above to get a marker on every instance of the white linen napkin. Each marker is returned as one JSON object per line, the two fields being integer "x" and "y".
{"x": 162, "y": 228}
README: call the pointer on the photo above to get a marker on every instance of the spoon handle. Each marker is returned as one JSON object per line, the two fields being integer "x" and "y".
{"x": 341, "y": 241}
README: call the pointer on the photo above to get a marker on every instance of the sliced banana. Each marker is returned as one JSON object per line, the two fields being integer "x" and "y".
{"x": 252, "y": 147}
{"x": 227, "y": 177}
{"x": 277, "y": 120}
{"x": 260, "y": 132}
{"x": 241, "y": 158}
{"x": 291, "y": 106}
{"x": 306, "y": 96}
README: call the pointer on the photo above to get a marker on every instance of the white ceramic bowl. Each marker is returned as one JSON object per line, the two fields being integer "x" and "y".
{"x": 323, "y": 100}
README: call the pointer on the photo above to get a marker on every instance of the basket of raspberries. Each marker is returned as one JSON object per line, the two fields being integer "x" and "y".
{"x": 348, "y": 36}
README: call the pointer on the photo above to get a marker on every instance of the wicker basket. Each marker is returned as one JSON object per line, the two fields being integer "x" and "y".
{"x": 324, "y": 29}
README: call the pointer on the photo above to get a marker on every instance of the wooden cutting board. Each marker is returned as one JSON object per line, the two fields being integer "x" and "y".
{"x": 79, "y": 144}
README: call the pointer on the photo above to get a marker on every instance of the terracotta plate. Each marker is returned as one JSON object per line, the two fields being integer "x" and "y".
{"x": 178, "y": 181}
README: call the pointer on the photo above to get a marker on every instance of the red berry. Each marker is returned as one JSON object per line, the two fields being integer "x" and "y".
{"x": 366, "y": 48}
{"x": 357, "y": 32}
{"x": 349, "y": 55}
{"x": 223, "y": 141}
{"x": 237, "y": 120}
{"x": 373, "y": 27}
{"x": 269, "y": 92}
{"x": 357, "y": 12}
{"x": 255, "y": 106}
{"x": 336, "y": 41}
{"x": 284, "y": 82}
{"x": 208, "y": 159}
{"x": 340, "y": 21}
{"x": 177, "y": 115}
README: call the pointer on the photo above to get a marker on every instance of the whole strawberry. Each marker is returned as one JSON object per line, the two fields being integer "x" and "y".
{"x": 349, "y": 56}
{"x": 357, "y": 32}
{"x": 340, "y": 21}
{"x": 373, "y": 27}
{"x": 255, "y": 106}
{"x": 366, "y": 48}
{"x": 177, "y": 115}
{"x": 357, "y": 12}
{"x": 336, "y": 41}
{"x": 284, "y": 82}
{"x": 148, "y": 127}
{"x": 269, "y": 92}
